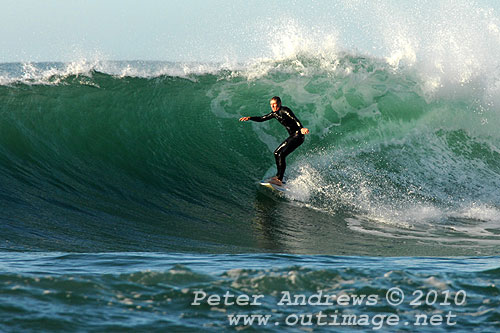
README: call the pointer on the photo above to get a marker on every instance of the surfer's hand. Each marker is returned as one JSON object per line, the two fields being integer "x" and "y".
{"x": 244, "y": 118}
{"x": 304, "y": 130}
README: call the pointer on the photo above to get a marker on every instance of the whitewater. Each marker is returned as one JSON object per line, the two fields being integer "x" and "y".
{"x": 127, "y": 186}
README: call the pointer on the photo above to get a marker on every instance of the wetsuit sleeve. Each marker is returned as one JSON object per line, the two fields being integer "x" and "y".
{"x": 262, "y": 118}
{"x": 293, "y": 118}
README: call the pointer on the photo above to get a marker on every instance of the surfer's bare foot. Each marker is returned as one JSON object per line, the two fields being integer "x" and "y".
{"x": 274, "y": 180}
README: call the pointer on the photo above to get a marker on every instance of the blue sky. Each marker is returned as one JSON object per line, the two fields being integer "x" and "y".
{"x": 193, "y": 30}
{"x": 155, "y": 30}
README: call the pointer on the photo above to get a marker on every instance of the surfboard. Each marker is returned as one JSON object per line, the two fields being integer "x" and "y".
{"x": 275, "y": 187}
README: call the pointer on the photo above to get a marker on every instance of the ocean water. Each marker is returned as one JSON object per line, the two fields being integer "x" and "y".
{"x": 129, "y": 196}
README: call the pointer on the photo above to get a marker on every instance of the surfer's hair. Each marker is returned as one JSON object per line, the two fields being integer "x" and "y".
{"x": 277, "y": 99}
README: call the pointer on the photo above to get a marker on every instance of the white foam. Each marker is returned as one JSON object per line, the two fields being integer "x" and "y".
{"x": 479, "y": 212}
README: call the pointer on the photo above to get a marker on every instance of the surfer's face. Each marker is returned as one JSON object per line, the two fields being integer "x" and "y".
{"x": 275, "y": 106}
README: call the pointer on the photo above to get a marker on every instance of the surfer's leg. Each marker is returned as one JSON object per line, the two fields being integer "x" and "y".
{"x": 285, "y": 148}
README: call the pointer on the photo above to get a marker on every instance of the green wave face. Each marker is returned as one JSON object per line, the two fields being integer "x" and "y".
{"x": 145, "y": 162}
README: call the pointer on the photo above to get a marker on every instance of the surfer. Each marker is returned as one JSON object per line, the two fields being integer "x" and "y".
{"x": 295, "y": 130}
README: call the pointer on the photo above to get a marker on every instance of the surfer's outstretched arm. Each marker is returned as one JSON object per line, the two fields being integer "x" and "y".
{"x": 258, "y": 119}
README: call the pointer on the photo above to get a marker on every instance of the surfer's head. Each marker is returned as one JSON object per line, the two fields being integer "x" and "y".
{"x": 275, "y": 103}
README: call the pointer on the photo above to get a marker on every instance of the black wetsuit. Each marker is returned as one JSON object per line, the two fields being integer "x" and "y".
{"x": 286, "y": 117}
